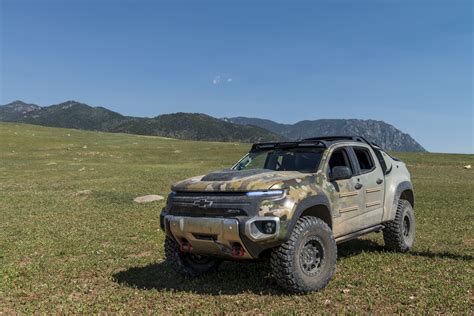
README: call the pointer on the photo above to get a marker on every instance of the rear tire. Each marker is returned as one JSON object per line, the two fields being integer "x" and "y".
{"x": 399, "y": 234}
{"x": 307, "y": 261}
{"x": 187, "y": 264}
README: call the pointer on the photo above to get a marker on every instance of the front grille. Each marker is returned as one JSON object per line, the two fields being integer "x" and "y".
{"x": 212, "y": 204}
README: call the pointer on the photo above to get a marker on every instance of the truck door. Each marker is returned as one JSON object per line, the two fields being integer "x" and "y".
{"x": 370, "y": 175}
{"x": 345, "y": 194}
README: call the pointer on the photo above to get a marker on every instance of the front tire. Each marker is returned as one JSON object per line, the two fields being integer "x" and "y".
{"x": 307, "y": 261}
{"x": 399, "y": 234}
{"x": 187, "y": 264}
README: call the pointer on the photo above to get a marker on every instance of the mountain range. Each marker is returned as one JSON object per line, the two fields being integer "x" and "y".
{"x": 379, "y": 132}
{"x": 191, "y": 126}
{"x": 197, "y": 126}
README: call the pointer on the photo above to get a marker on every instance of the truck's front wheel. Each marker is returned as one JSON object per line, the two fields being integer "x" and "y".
{"x": 307, "y": 261}
{"x": 188, "y": 264}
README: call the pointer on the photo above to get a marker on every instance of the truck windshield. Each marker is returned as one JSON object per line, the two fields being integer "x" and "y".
{"x": 302, "y": 160}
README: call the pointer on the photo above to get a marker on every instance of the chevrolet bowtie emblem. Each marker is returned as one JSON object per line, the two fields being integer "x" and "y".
{"x": 203, "y": 203}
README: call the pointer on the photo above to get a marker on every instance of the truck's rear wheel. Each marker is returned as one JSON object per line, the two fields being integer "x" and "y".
{"x": 188, "y": 264}
{"x": 307, "y": 261}
{"x": 399, "y": 234}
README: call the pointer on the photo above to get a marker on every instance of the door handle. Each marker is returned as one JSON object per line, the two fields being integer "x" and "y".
{"x": 358, "y": 186}
{"x": 379, "y": 181}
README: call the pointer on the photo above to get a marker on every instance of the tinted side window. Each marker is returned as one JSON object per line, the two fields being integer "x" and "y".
{"x": 339, "y": 158}
{"x": 379, "y": 154}
{"x": 366, "y": 163}
{"x": 388, "y": 162}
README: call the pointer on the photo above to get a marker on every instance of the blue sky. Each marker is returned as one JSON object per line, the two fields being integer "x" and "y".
{"x": 408, "y": 63}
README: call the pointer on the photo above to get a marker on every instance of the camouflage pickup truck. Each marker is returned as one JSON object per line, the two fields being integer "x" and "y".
{"x": 291, "y": 202}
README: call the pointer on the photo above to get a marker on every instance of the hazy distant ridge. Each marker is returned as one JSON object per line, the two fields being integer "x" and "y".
{"x": 379, "y": 132}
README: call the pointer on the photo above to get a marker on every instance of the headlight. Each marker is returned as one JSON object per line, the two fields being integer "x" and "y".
{"x": 270, "y": 193}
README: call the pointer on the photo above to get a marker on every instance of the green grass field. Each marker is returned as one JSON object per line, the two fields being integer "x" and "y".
{"x": 66, "y": 251}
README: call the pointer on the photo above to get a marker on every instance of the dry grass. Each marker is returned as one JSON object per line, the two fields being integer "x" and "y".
{"x": 64, "y": 251}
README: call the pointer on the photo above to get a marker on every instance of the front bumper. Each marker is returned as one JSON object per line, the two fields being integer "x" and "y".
{"x": 223, "y": 237}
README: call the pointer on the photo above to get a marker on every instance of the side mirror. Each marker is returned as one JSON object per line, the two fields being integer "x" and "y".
{"x": 341, "y": 173}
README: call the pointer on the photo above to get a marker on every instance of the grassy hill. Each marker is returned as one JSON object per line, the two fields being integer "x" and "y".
{"x": 73, "y": 241}
{"x": 196, "y": 126}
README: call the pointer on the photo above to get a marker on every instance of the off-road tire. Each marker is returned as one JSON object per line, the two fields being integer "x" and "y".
{"x": 188, "y": 264}
{"x": 396, "y": 234}
{"x": 288, "y": 260}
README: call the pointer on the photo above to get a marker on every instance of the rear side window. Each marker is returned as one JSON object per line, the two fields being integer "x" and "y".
{"x": 364, "y": 158}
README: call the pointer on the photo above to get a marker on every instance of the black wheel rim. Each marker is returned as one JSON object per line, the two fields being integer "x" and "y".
{"x": 312, "y": 256}
{"x": 406, "y": 226}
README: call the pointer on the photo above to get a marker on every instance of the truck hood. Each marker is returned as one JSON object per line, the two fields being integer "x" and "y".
{"x": 240, "y": 181}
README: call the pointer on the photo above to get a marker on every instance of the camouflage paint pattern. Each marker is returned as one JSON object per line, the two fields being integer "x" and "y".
{"x": 350, "y": 209}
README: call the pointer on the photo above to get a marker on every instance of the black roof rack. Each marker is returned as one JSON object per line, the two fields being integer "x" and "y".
{"x": 321, "y": 142}
{"x": 343, "y": 138}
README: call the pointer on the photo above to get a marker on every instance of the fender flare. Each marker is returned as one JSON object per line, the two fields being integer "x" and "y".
{"x": 286, "y": 226}
{"x": 311, "y": 201}
{"x": 402, "y": 186}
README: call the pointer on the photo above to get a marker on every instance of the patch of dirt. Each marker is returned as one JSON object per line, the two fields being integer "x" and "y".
{"x": 148, "y": 198}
